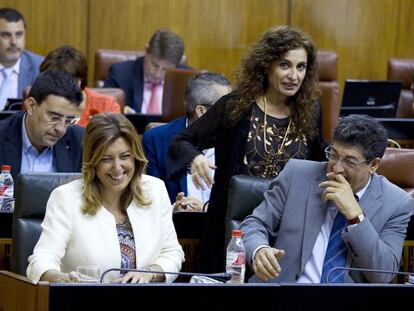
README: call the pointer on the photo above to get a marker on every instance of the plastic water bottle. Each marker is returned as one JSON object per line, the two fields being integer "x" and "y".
{"x": 236, "y": 258}
{"x": 6, "y": 189}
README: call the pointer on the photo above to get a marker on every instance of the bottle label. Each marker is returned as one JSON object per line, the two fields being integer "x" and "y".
{"x": 236, "y": 266}
{"x": 7, "y": 204}
{"x": 6, "y": 197}
{"x": 6, "y": 191}
{"x": 236, "y": 258}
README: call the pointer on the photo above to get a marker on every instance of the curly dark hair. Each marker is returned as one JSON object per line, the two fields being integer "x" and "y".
{"x": 364, "y": 132}
{"x": 252, "y": 76}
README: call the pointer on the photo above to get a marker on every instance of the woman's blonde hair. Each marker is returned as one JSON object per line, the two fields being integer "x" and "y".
{"x": 102, "y": 130}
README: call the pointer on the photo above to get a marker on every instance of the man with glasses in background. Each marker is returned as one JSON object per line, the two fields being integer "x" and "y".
{"x": 43, "y": 139}
{"x": 317, "y": 218}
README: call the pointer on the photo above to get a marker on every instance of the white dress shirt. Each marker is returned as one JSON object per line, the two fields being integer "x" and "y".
{"x": 313, "y": 268}
{"x": 11, "y": 91}
{"x": 202, "y": 195}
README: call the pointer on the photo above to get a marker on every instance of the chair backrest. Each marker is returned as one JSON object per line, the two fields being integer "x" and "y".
{"x": 397, "y": 165}
{"x": 32, "y": 192}
{"x": 403, "y": 70}
{"x": 329, "y": 99}
{"x": 104, "y": 58}
{"x": 245, "y": 194}
{"x": 175, "y": 82}
{"x": 118, "y": 93}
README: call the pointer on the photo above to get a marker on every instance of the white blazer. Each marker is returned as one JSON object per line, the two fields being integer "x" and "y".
{"x": 70, "y": 238}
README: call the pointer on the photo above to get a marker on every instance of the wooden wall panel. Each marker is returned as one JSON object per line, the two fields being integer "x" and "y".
{"x": 404, "y": 44}
{"x": 216, "y": 32}
{"x": 364, "y": 33}
{"x": 52, "y": 23}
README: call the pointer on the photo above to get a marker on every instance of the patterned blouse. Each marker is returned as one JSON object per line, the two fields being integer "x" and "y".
{"x": 127, "y": 244}
{"x": 260, "y": 162}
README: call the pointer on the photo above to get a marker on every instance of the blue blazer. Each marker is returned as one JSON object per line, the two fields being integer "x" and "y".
{"x": 29, "y": 69}
{"x": 156, "y": 143}
{"x": 129, "y": 76}
{"x": 67, "y": 151}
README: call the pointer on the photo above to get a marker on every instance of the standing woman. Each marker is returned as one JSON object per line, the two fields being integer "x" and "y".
{"x": 113, "y": 217}
{"x": 272, "y": 116}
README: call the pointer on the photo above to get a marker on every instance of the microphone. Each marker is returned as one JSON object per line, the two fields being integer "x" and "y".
{"x": 366, "y": 270}
{"x": 217, "y": 276}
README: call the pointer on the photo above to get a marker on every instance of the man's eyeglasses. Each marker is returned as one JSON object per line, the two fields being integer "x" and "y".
{"x": 56, "y": 118}
{"x": 331, "y": 155}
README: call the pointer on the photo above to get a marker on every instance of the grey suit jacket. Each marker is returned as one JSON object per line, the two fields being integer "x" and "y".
{"x": 29, "y": 69}
{"x": 291, "y": 215}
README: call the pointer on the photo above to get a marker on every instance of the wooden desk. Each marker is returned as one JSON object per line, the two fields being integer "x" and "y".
{"x": 18, "y": 293}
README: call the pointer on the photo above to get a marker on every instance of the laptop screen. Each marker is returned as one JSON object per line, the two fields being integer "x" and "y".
{"x": 368, "y": 93}
{"x": 378, "y": 99}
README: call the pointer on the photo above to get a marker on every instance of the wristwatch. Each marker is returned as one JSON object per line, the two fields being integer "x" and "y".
{"x": 356, "y": 220}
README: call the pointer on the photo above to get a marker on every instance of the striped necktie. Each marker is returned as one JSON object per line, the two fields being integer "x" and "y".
{"x": 335, "y": 253}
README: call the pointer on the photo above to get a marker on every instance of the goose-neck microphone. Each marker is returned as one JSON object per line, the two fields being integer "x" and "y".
{"x": 328, "y": 277}
{"x": 217, "y": 276}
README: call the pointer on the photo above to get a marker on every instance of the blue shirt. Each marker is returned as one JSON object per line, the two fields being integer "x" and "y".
{"x": 32, "y": 161}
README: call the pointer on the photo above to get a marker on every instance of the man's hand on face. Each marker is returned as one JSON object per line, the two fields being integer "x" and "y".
{"x": 338, "y": 190}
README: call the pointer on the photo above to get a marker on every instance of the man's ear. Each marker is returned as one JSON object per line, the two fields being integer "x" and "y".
{"x": 200, "y": 110}
{"x": 375, "y": 163}
{"x": 146, "y": 49}
{"x": 29, "y": 103}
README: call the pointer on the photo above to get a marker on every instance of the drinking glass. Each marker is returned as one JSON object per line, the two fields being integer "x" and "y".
{"x": 89, "y": 274}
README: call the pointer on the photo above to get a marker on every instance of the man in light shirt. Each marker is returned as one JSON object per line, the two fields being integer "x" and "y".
{"x": 18, "y": 67}
{"x": 43, "y": 139}
{"x": 142, "y": 79}
{"x": 202, "y": 91}
{"x": 289, "y": 236}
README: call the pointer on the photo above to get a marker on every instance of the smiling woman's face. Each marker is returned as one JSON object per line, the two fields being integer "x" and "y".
{"x": 116, "y": 168}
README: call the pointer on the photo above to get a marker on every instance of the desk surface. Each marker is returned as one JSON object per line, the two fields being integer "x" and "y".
{"x": 229, "y": 297}
{"x": 278, "y": 296}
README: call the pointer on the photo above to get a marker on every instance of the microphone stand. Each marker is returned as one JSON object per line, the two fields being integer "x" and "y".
{"x": 218, "y": 276}
{"x": 366, "y": 270}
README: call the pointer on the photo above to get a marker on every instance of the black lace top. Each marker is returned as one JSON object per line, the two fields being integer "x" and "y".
{"x": 258, "y": 161}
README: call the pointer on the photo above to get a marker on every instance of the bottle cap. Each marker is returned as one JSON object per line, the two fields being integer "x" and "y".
{"x": 6, "y": 168}
{"x": 236, "y": 233}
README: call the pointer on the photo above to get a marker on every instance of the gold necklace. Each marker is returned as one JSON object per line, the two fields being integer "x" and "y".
{"x": 282, "y": 145}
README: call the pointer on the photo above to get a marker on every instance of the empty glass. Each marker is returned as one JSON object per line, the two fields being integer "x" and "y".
{"x": 89, "y": 274}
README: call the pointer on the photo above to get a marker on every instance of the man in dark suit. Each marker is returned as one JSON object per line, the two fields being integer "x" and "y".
{"x": 18, "y": 67}
{"x": 142, "y": 78}
{"x": 202, "y": 91}
{"x": 43, "y": 139}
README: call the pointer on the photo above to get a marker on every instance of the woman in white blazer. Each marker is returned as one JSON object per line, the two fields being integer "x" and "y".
{"x": 113, "y": 217}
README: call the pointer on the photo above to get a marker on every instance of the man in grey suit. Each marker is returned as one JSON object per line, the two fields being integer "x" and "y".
{"x": 289, "y": 236}
{"x": 18, "y": 67}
